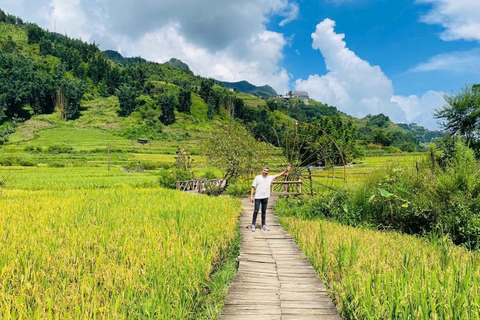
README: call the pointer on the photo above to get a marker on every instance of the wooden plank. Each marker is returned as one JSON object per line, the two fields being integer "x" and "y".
{"x": 274, "y": 278}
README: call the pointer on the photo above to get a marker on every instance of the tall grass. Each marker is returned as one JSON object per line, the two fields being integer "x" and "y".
{"x": 387, "y": 275}
{"x": 118, "y": 253}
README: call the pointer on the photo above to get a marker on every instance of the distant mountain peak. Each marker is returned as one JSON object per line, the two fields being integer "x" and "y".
{"x": 177, "y": 64}
{"x": 244, "y": 86}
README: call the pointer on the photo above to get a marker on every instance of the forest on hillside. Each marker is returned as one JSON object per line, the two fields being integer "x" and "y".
{"x": 43, "y": 72}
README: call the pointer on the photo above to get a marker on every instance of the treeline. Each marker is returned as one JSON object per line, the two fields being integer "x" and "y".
{"x": 51, "y": 72}
{"x": 378, "y": 130}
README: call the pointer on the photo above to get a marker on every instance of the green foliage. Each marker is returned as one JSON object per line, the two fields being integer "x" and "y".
{"x": 421, "y": 134}
{"x": 55, "y": 149}
{"x": 168, "y": 178}
{"x": 379, "y": 121}
{"x": 243, "y": 86}
{"x": 461, "y": 115}
{"x": 127, "y": 96}
{"x": 34, "y": 33}
{"x": 380, "y": 131}
{"x": 135, "y": 130}
{"x": 234, "y": 151}
{"x": 71, "y": 90}
{"x": 184, "y": 100}
{"x": 167, "y": 104}
{"x": 421, "y": 199}
{"x": 209, "y": 174}
{"x": 9, "y": 46}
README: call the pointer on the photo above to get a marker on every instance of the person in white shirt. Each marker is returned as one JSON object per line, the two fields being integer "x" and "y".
{"x": 261, "y": 185}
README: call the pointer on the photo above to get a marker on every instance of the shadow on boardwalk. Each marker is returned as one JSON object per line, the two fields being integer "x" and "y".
{"x": 274, "y": 280}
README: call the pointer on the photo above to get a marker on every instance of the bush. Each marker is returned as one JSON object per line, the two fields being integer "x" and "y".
{"x": 7, "y": 162}
{"x": 168, "y": 179}
{"x": 415, "y": 200}
{"x": 56, "y": 164}
{"x": 209, "y": 174}
{"x": 238, "y": 189}
{"x": 2, "y": 141}
{"x": 59, "y": 149}
{"x": 27, "y": 163}
{"x": 149, "y": 165}
{"x": 33, "y": 149}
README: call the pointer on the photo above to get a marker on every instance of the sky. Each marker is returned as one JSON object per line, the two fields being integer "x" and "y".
{"x": 396, "y": 57}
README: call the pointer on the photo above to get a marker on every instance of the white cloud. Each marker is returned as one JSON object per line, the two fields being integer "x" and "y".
{"x": 458, "y": 17}
{"x": 225, "y": 39}
{"x": 291, "y": 14}
{"x": 463, "y": 62}
{"x": 420, "y": 110}
{"x": 257, "y": 65}
{"x": 357, "y": 88}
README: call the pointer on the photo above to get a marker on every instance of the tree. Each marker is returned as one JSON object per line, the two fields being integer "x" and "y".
{"x": 461, "y": 115}
{"x": 206, "y": 89}
{"x": 9, "y": 46}
{"x": 382, "y": 137}
{"x": 3, "y": 16}
{"x": 234, "y": 151}
{"x": 68, "y": 98}
{"x": 167, "y": 104}
{"x": 45, "y": 47}
{"x": 184, "y": 100}
{"x": 34, "y": 33}
{"x": 127, "y": 97}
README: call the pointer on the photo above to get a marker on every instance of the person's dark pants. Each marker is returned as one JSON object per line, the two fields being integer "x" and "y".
{"x": 264, "y": 203}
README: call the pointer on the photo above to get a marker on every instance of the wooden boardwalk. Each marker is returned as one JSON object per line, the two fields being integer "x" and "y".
{"x": 274, "y": 279}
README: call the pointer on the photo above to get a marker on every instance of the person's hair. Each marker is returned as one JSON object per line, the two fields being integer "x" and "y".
{"x": 266, "y": 168}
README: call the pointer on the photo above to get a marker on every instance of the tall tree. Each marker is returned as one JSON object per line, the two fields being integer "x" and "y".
{"x": 167, "y": 104}
{"x": 68, "y": 98}
{"x": 127, "y": 97}
{"x": 184, "y": 100}
{"x": 461, "y": 115}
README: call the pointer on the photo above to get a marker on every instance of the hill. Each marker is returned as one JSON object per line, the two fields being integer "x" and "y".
{"x": 243, "y": 86}
{"x": 177, "y": 64}
{"x": 54, "y": 82}
{"x": 118, "y": 58}
{"x": 420, "y": 133}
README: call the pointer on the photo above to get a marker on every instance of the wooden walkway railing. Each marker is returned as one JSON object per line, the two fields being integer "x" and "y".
{"x": 288, "y": 187}
{"x": 198, "y": 185}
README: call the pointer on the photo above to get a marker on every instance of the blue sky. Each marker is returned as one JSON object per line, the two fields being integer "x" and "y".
{"x": 389, "y": 34}
{"x": 397, "y": 57}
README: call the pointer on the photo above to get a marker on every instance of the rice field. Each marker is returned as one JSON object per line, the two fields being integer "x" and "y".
{"x": 387, "y": 275}
{"x": 82, "y": 243}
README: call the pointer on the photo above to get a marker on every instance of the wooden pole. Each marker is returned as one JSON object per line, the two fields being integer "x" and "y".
{"x": 311, "y": 182}
{"x": 108, "y": 157}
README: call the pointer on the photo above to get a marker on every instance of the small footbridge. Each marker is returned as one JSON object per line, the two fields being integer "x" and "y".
{"x": 200, "y": 186}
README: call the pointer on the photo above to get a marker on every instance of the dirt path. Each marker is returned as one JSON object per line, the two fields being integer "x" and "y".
{"x": 274, "y": 280}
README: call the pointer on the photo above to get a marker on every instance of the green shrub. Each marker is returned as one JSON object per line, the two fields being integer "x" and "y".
{"x": 168, "y": 179}
{"x": 420, "y": 199}
{"x": 8, "y": 161}
{"x": 151, "y": 165}
{"x": 27, "y": 163}
{"x": 209, "y": 174}
{"x": 59, "y": 149}
{"x": 33, "y": 149}
{"x": 56, "y": 164}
